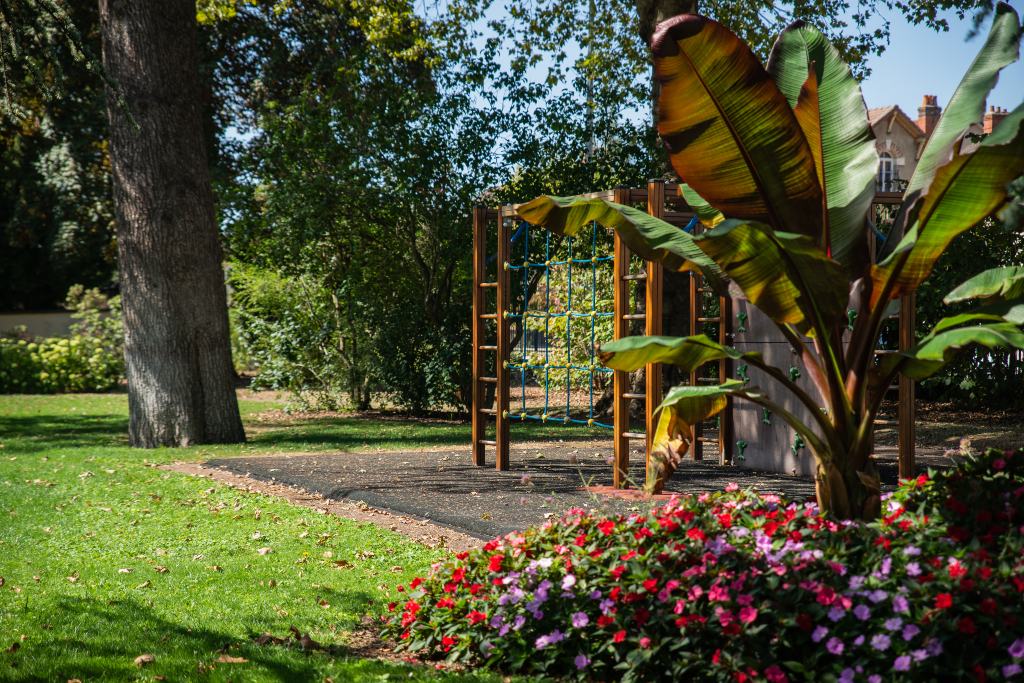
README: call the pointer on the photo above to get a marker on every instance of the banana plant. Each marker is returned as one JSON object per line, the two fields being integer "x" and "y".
{"x": 779, "y": 162}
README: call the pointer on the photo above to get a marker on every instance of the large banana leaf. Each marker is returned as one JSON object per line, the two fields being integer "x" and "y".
{"x": 950, "y": 336}
{"x": 965, "y": 107}
{"x": 1005, "y": 283}
{"x": 730, "y": 133}
{"x": 708, "y": 215}
{"x": 785, "y": 275}
{"x": 964, "y": 191}
{"x": 688, "y": 353}
{"x": 829, "y": 106}
{"x": 650, "y": 237}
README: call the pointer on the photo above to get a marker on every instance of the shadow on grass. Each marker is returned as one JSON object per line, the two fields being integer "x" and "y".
{"x": 29, "y": 433}
{"x": 99, "y": 639}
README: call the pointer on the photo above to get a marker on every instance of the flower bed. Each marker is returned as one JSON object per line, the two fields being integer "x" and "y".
{"x": 738, "y": 586}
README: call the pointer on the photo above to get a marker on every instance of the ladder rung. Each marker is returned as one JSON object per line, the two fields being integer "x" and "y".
{"x": 488, "y": 316}
{"x": 634, "y": 316}
{"x": 885, "y": 352}
{"x": 634, "y": 435}
{"x": 487, "y": 442}
{"x": 488, "y": 284}
{"x": 708, "y": 380}
{"x": 708, "y": 439}
{"x": 489, "y": 411}
{"x": 635, "y": 276}
{"x": 893, "y": 387}
{"x": 709, "y": 320}
{"x": 634, "y": 396}
{"x": 489, "y": 380}
{"x": 487, "y": 348}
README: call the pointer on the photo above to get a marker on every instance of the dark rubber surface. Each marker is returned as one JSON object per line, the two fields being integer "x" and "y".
{"x": 446, "y": 488}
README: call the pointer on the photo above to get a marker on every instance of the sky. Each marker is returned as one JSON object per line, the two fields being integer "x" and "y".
{"x": 920, "y": 62}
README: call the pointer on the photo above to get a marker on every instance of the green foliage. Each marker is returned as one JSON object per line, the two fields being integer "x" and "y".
{"x": 91, "y": 359}
{"x": 764, "y": 159}
{"x": 705, "y": 587}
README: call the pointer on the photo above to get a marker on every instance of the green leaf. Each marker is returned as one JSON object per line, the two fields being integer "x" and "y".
{"x": 730, "y": 133}
{"x": 708, "y": 215}
{"x": 688, "y": 353}
{"x": 1005, "y": 283}
{"x": 966, "y": 190}
{"x": 647, "y": 236}
{"x": 965, "y": 107}
{"x": 936, "y": 350}
{"x": 829, "y": 107}
{"x": 785, "y": 275}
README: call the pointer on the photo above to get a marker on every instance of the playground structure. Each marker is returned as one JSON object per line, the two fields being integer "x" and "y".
{"x": 743, "y": 434}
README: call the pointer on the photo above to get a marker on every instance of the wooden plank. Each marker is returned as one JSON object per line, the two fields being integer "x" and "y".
{"x": 696, "y": 312}
{"x": 504, "y": 336}
{"x": 906, "y": 412}
{"x": 479, "y": 427}
{"x": 620, "y": 404}
{"x": 724, "y": 372}
{"x": 653, "y": 325}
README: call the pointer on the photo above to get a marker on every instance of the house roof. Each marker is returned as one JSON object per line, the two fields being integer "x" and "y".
{"x": 880, "y": 114}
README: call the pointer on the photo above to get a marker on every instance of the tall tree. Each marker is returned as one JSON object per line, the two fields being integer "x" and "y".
{"x": 177, "y": 350}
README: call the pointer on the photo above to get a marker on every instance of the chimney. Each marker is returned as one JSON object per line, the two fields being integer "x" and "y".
{"x": 992, "y": 118}
{"x": 928, "y": 114}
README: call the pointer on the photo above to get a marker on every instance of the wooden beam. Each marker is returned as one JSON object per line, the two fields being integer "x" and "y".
{"x": 479, "y": 429}
{"x": 501, "y": 459}
{"x": 620, "y": 404}
{"x": 653, "y": 325}
{"x": 906, "y": 411}
{"x": 696, "y": 312}
{"x": 724, "y": 372}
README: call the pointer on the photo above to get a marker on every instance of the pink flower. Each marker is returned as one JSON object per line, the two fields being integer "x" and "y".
{"x": 775, "y": 675}
{"x": 748, "y": 615}
{"x": 645, "y": 643}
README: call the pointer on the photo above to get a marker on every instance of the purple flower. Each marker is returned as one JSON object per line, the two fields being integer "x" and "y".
{"x": 835, "y": 646}
{"x": 900, "y": 604}
{"x": 874, "y": 678}
{"x": 1011, "y": 670}
{"x": 862, "y": 612}
{"x": 909, "y": 631}
{"x": 819, "y": 633}
{"x": 902, "y": 663}
{"x": 606, "y": 605}
{"x": 836, "y": 613}
{"x": 497, "y": 620}
{"x": 911, "y": 551}
{"x": 580, "y": 619}
{"x": 847, "y": 676}
{"x": 1016, "y": 649}
{"x": 858, "y": 641}
{"x": 549, "y": 639}
{"x": 519, "y": 621}
{"x": 893, "y": 623}
{"x": 880, "y": 642}
{"x": 877, "y": 596}
{"x": 856, "y": 582}
{"x": 913, "y": 569}
{"x": 595, "y": 594}
{"x": 934, "y": 647}
{"x": 582, "y": 661}
{"x": 919, "y": 655}
{"x": 568, "y": 582}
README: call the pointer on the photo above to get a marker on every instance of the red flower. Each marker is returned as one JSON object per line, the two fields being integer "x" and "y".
{"x": 628, "y": 556}
{"x": 717, "y": 657}
{"x": 725, "y": 520}
{"x": 617, "y": 571}
{"x": 606, "y": 527}
{"x": 464, "y": 554}
{"x": 943, "y": 601}
{"x": 619, "y": 636}
{"x": 392, "y": 606}
{"x": 979, "y": 673}
{"x": 695, "y": 534}
{"x": 496, "y": 560}
{"x": 415, "y": 582}
{"x": 804, "y": 621}
{"x": 412, "y": 606}
{"x": 651, "y": 585}
{"x": 773, "y": 674}
{"x": 581, "y": 540}
{"x": 476, "y": 617}
{"x": 459, "y": 574}
{"x": 605, "y": 620}
{"x": 966, "y": 626}
{"x": 447, "y": 642}
{"x": 474, "y": 588}
{"x": 989, "y": 606}
{"x": 956, "y": 570}
{"x": 445, "y": 603}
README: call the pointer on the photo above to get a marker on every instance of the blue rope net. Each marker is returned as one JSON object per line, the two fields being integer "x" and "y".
{"x": 542, "y": 372}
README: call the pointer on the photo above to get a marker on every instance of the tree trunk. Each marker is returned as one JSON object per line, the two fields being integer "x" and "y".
{"x": 177, "y": 348}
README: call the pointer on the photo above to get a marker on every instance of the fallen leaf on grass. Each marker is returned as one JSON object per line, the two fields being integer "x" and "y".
{"x": 343, "y": 564}
{"x": 124, "y": 570}
{"x": 264, "y": 551}
{"x": 143, "y": 660}
{"x": 215, "y": 568}
{"x": 323, "y": 603}
{"x": 228, "y": 659}
{"x": 73, "y": 578}
{"x": 15, "y": 646}
{"x": 160, "y": 569}
{"x": 144, "y": 584}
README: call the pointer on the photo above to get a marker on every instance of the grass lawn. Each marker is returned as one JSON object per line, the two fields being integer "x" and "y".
{"x": 105, "y": 557}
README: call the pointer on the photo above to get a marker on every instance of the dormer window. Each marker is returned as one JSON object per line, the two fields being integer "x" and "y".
{"x": 886, "y": 173}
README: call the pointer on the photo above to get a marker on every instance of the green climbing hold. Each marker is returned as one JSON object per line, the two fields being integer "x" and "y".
{"x": 741, "y": 372}
{"x": 851, "y": 317}
{"x": 794, "y": 373}
{"x": 741, "y": 446}
{"x": 766, "y": 416}
{"x": 742, "y": 317}
{"x": 798, "y": 444}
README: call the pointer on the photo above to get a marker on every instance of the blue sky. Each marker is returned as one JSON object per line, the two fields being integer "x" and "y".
{"x": 920, "y": 61}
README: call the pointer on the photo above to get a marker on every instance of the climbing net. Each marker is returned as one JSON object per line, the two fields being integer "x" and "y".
{"x": 551, "y": 308}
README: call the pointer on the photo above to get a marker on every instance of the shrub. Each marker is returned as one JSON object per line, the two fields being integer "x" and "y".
{"x": 91, "y": 359}
{"x": 739, "y": 586}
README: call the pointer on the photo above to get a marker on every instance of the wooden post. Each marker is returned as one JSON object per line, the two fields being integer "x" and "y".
{"x": 653, "y": 324}
{"x": 501, "y": 440}
{"x": 620, "y": 404}
{"x": 724, "y": 372}
{"x": 906, "y": 411}
{"x": 479, "y": 332}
